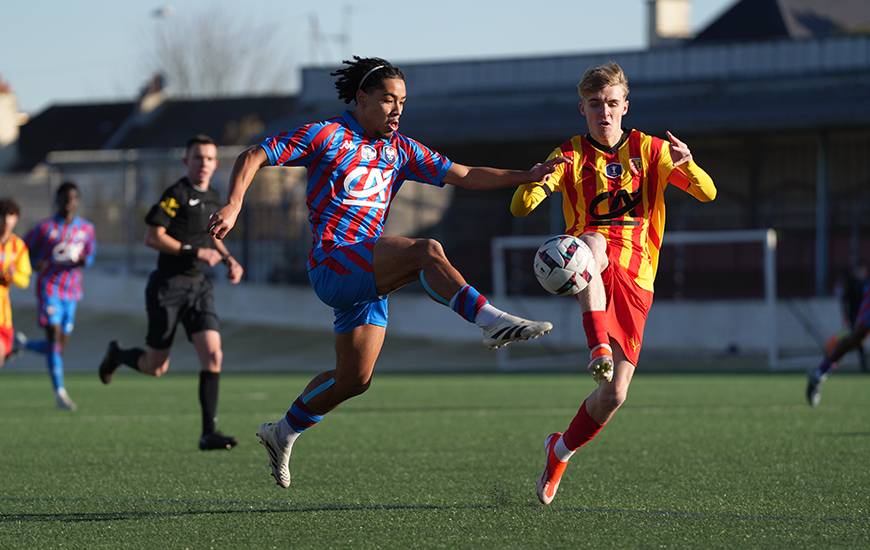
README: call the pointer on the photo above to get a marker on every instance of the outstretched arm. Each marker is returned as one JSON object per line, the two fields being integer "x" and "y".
{"x": 485, "y": 178}
{"x": 246, "y": 166}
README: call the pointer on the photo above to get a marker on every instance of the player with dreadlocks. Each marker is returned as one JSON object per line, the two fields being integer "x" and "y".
{"x": 356, "y": 163}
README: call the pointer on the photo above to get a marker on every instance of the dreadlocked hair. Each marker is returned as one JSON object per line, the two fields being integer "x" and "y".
{"x": 350, "y": 78}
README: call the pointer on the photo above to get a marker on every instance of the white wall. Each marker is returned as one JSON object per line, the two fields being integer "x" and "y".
{"x": 684, "y": 325}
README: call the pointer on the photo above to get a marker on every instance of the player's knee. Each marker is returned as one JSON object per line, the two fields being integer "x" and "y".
{"x": 214, "y": 359}
{"x": 598, "y": 245}
{"x": 431, "y": 251}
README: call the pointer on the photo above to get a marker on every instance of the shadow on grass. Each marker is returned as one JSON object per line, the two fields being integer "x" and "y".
{"x": 238, "y": 507}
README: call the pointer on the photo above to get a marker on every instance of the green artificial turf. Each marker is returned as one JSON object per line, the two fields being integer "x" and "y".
{"x": 448, "y": 461}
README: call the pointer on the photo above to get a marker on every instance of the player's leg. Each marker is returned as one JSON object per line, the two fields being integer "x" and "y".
{"x": 208, "y": 347}
{"x": 593, "y": 303}
{"x": 164, "y": 305}
{"x": 359, "y": 337}
{"x": 595, "y": 411}
{"x": 626, "y": 316}
{"x": 400, "y": 260}
{"x": 54, "y": 362}
{"x": 843, "y": 345}
{"x": 6, "y": 339}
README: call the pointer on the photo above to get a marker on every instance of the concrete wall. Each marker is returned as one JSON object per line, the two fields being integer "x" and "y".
{"x": 673, "y": 326}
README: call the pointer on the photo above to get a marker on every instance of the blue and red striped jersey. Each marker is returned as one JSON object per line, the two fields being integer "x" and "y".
{"x": 58, "y": 250}
{"x": 351, "y": 178}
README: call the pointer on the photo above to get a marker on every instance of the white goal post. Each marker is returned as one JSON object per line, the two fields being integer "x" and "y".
{"x": 766, "y": 238}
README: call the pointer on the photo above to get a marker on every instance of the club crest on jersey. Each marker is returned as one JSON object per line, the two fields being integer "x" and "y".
{"x": 613, "y": 170}
{"x": 390, "y": 154}
{"x": 367, "y": 187}
{"x": 368, "y": 153}
{"x": 635, "y": 164}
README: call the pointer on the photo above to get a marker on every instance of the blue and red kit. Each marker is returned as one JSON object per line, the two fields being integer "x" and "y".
{"x": 352, "y": 180}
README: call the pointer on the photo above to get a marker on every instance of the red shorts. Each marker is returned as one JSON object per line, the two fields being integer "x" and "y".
{"x": 6, "y": 336}
{"x": 627, "y": 308}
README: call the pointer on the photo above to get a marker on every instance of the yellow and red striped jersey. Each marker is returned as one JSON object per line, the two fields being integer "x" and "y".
{"x": 15, "y": 266}
{"x": 618, "y": 192}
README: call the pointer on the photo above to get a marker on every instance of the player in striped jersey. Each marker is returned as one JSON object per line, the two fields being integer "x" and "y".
{"x": 356, "y": 163}
{"x": 60, "y": 246}
{"x": 14, "y": 270}
{"x": 613, "y": 199}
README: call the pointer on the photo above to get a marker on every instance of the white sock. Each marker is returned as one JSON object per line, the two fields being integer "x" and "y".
{"x": 488, "y": 315}
{"x": 285, "y": 432}
{"x": 562, "y": 452}
{"x": 61, "y": 393}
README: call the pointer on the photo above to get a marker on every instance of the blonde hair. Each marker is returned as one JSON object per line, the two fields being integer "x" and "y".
{"x": 597, "y": 78}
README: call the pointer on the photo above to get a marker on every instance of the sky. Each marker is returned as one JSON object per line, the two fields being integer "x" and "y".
{"x": 102, "y": 50}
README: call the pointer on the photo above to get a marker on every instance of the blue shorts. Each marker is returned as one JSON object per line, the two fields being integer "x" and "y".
{"x": 352, "y": 294}
{"x": 57, "y": 311}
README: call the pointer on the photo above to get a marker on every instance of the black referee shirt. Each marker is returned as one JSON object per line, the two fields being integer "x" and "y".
{"x": 184, "y": 211}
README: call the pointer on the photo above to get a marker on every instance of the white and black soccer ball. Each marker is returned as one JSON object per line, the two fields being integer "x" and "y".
{"x": 562, "y": 265}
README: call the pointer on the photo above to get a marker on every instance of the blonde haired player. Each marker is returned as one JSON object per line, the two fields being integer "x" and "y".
{"x": 613, "y": 199}
{"x": 14, "y": 270}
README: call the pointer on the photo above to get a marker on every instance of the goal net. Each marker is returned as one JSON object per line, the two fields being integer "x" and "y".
{"x": 715, "y": 304}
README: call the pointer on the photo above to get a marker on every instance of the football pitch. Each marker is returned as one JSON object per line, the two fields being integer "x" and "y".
{"x": 438, "y": 461}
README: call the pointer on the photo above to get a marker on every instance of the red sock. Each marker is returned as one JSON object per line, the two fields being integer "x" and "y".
{"x": 582, "y": 429}
{"x": 596, "y": 328}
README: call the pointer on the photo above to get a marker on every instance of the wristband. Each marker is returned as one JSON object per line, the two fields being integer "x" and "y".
{"x": 188, "y": 251}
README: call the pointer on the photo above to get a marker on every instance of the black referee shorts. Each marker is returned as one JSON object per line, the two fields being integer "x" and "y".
{"x": 179, "y": 298}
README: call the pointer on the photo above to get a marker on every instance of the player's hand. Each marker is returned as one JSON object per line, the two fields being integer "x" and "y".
{"x": 540, "y": 170}
{"x": 235, "y": 271}
{"x": 209, "y": 255}
{"x": 680, "y": 153}
{"x": 221, "y": 222}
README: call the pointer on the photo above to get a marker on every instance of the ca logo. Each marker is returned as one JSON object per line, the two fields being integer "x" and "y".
{"x": 367, "y": 187}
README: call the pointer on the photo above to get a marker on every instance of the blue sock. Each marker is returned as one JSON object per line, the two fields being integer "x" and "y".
{"x": 55, "y": 368}
{"x": 37, "y": 346}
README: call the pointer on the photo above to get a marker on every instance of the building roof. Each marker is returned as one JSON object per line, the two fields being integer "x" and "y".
{"x": 230, "y": 121}
{"x": 772, "y": 19}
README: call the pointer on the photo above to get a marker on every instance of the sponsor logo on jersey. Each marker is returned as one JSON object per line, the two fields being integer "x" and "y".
{"x": 367, "y": 187}
{"x": 368, "y": 153}
{"x": 390, "y": 154}
{"x": 193, "y": 202}
{"x": 613, "y": 170}
{"x": 618, "y": 203}
{"x": 170, "y": 206}
{"x": 345, "y": 145}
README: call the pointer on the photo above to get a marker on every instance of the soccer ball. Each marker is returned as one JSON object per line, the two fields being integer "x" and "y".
{"x": 562, "y": 265}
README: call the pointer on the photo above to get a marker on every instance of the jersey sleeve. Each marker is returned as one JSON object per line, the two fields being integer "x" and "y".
{"x": 529, "y": 195}
{"x": 161, "y": 214}
{"x": 688, "y": 177}
{"x": 21, "y": 270}
{"x": 33, "y": 240}
{"x": 90, "y": 250}
{"x": 297, "y": 147}
{"x": 424, "y": 164}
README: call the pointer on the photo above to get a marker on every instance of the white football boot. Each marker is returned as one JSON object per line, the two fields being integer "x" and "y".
{"x": 510, "y": 328}
{"x": 279, "y": 452}
{"x": 64, "y": 403}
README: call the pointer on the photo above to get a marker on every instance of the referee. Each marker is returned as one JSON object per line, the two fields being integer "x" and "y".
{"x": 178, "y": 291}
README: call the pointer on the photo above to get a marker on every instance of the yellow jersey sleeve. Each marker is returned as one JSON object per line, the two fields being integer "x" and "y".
{"x": 689, "y": 177}
{"x": 21, "y": 270}
{"x": 529, "y": 195}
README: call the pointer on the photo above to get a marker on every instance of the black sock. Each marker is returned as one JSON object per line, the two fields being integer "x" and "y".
{"x": 130, "y": 357}
{"x": 208, "y": 399}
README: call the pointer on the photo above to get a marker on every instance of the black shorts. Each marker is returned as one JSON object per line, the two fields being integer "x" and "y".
{"x": 179, "y": 298}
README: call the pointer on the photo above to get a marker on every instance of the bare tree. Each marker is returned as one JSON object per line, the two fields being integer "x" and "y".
{"x": 214, "y": 54}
